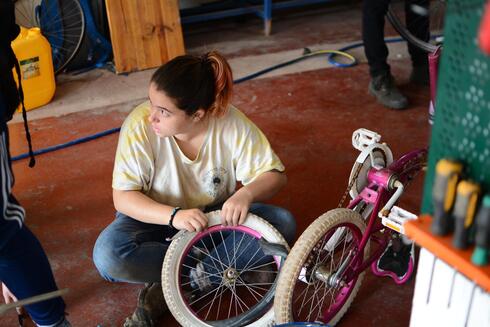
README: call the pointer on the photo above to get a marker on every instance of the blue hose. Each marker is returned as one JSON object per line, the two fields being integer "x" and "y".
{"x": 67, "y": 144}
{"x": 331, "y": 56}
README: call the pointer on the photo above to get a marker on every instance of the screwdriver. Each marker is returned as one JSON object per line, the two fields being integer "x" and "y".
{"x": 464, "y": 212}
{"x": 482, "y": 234}
{"x": 446, "y": 178}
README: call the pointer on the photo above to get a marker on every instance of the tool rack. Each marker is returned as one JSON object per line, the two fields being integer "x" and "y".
{"x": 449, "y": 289}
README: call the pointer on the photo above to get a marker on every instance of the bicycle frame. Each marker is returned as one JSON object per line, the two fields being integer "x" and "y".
{"x": 379, "y": 192}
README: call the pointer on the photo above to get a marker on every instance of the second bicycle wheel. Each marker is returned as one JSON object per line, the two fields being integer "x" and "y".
{"x": 221, "y": 276}
{"x": 309, "y": 288}
{"x": 62, "y": 22}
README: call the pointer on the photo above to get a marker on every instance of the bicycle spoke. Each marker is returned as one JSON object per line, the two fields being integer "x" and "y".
{"x": 250, "y": 289}
{"x": 258, "y": 287}
{"x": 319, "y": 303}
{"x": 224, "y": 244}
{"x": 262, "y": 271}
{"x": 239, "y": 300}
{"x": 214, "y": 298}
{"x": 203, "y": 296}
{"x": 199, "y": 279}
{"x": 238, "y": 255}
{"x": 224, "y": 266}
{"x": 304, "y": 299}
{"x": 242, "y": 252}
{"x": 305, "y": 303}
{"x": 209, "y": 253}
{"x": 342, "y": 255}
{"x": 219, "y": 302}
{"x": 322, "y": 300}
{"x": 249, "y": 260}
{"x": 265, "y": 264}
{"x": 204, "y": 263}
{"x": 314, "y": 300}
{"x": 300, "y": 294}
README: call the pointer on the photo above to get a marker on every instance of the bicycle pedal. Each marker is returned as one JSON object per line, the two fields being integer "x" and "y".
{"x": 396, "y": 218}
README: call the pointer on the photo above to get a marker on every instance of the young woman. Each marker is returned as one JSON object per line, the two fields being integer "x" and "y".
{"x": 179, "y": 155}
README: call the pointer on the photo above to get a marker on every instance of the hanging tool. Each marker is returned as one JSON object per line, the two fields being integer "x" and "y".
{"x": 447, "y": 175}
{"x": 482, "y": 234}
{"x": 464, "y": 211}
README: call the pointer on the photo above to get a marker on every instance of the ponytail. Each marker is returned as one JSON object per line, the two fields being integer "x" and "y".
{"x": 223, "y": 79}
{"x": 195, "y": 83}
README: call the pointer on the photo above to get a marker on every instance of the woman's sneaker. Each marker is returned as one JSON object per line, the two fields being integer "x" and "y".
{"x": 151, "y": 307}
{"x": 200, "y": 278}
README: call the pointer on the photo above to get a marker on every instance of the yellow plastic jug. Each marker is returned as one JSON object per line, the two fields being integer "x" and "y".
{"x": 36, "y": 66}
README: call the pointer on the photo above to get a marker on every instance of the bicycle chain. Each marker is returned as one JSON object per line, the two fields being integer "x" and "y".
{"x": 316, "y": 248}
{"x": 349, "y": 187}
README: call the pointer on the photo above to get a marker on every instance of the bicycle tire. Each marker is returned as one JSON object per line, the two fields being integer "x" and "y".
{"x": 171, "y": 266}
{"x": 299, "y": 254}
{"x": 64, "y": 29}
{"x": 436, "y": 13}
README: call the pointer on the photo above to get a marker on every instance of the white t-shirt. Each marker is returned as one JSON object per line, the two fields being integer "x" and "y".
{"x": 234, "y": 149}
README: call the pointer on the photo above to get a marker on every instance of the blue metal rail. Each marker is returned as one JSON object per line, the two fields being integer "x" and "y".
{"x": 264, "y": 11}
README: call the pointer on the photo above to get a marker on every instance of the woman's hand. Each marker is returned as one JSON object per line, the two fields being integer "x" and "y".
{"x": 7, "y": 295}
{"x": 192, "y": 220}
{"x": 235, "y": 209}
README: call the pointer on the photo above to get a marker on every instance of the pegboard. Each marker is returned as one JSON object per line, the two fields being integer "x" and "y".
{"x": 461, "y": 129}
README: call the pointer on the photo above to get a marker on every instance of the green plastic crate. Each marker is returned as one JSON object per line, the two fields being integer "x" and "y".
{"x": 462, "y": 124}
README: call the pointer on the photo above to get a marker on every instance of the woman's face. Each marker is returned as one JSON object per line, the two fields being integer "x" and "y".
{"x": 165, "y": 118}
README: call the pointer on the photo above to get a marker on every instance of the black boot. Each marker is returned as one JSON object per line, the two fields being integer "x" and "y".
{"x": 384, "y": 89}
{"x": 396, "y": 258}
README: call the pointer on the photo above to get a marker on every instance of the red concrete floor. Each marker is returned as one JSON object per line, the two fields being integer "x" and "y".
{"x": 309, "y": 118}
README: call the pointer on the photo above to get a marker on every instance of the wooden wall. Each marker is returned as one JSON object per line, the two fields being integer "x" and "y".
{"x": 144, "y": 33}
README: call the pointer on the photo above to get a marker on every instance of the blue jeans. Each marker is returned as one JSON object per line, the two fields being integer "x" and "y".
{"x": 131, "y": 251}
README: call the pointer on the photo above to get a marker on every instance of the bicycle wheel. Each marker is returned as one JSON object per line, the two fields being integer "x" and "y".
{"x": 436, "y": 13}
{"x": 233, "y": 296}
{"x": 308, "y": 289}
{"x": 61, "y": 21}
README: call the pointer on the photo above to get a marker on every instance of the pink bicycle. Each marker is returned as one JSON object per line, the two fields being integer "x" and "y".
{"x": 325, "y": 268}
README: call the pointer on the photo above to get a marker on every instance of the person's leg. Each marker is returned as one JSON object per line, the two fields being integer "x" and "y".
{"x": 417, "y": 20}
{"x": 373, "y": 23}
{"x": 25, "y": 270}
{"x": 131, "y": 251}
{"x": 24, "y": 267}
{"x": 382, "y": 84}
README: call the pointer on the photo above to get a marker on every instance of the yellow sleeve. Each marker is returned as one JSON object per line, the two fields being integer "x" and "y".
{"x": 255, "y": 155}
{"x": 134, "y": 162}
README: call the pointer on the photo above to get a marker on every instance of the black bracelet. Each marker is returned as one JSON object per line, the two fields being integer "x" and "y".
{"x": 172, "y": 216}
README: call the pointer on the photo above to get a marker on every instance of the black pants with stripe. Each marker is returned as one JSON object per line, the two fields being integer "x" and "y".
{"x": 24, "y": 267}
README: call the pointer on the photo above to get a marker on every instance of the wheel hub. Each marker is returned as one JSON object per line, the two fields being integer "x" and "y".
{"x": 230, "y": 275}
{"x": 322, "y": 274}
